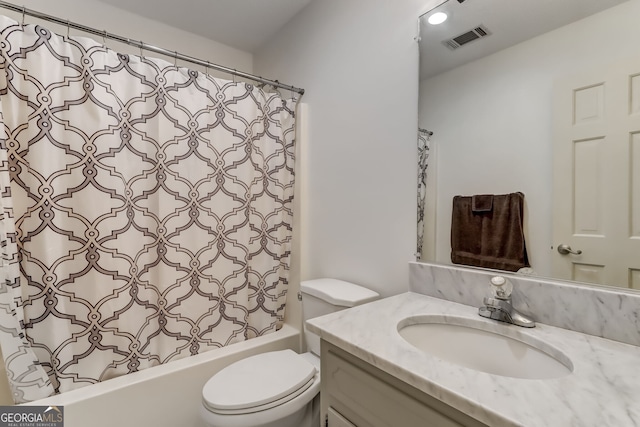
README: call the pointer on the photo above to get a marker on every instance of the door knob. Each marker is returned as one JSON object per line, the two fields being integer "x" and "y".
{"x": 566, "y": 249}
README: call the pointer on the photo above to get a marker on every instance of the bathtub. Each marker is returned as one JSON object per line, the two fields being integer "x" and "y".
{"x": 163, "y": 396}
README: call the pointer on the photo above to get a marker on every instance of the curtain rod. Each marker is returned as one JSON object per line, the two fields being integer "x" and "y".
{"x": 144, "y": 46}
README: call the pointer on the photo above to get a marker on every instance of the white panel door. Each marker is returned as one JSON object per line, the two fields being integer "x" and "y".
{"x": 596, "y": 150}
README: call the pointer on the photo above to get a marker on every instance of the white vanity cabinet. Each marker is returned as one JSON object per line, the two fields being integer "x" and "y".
{"x": 357, "y": 394}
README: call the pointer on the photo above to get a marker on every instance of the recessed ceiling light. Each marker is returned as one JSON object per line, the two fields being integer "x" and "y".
{"x": 437, "y": 18}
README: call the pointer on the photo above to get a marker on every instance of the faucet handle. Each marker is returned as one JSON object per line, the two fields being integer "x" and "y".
{"x": 497, "y": 305}
{"x": 501, "y": 288}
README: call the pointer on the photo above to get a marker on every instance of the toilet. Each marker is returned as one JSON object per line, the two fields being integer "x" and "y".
{"x": 280, "y": 388}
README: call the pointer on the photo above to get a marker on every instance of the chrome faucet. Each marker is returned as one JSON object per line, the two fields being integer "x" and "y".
{"x": 497, "y": 305}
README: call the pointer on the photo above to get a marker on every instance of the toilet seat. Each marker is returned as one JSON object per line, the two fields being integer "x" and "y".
{"x": 259, "y": 382}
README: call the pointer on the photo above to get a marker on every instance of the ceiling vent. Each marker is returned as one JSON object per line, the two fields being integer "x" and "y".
{"x": 471, "y": 35}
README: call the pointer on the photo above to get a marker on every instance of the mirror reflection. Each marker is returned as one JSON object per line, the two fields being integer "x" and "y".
{"x": 539, "y": 98}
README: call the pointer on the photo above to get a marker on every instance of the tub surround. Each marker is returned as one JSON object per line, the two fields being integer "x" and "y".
{"x": 166, "y": 395}
{"x": 611, "y": 313}
{"x": 603, "y": 388}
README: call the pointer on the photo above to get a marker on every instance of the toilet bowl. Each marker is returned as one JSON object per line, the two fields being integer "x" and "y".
{"x": 279, "y": 388}
{"x": 272, "y": 389}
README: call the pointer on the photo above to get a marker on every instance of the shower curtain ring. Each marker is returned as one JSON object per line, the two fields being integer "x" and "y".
{"x": 141, "y": 47}
{"x": 104, "y": 39}
{"x": 67, "y": 28}
{"x": 24, "y": 12}
{"x": 175, "y": 58}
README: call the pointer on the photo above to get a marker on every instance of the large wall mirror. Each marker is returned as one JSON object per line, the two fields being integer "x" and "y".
{"x": 543, "y": 98}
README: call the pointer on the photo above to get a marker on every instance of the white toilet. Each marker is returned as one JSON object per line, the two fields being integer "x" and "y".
{"x": 279, "y": 388}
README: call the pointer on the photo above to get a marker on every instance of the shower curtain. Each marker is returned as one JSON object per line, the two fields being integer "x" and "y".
{"x": 146, "y": 211}
{"x": 423, "y": 161}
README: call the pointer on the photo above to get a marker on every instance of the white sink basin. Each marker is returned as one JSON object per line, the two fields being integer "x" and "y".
{"x": 493, "y": 348}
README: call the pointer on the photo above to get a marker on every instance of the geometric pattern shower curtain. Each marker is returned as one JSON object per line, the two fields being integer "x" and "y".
{"x": 146, "y": 211}
{"x": 423, "y": 161}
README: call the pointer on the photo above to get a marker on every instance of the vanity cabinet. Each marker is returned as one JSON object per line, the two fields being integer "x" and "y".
{"x": 357, "y": 394}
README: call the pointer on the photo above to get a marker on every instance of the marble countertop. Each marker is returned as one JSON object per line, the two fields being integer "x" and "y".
{"x": 602, "y": 390}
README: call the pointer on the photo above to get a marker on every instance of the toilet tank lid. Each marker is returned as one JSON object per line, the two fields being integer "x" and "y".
{"x": 338, "y": 292}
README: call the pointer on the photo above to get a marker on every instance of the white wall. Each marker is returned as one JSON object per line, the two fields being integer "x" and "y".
{"x": 358, "y": 62}
{"x": 102, "y": 16}
{"x": 493, "y": 125}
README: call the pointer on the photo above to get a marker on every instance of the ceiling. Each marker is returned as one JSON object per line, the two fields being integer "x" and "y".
{"x": 509, "y": 22}
{"x": 248, "y": 24}
{"x": 243, "y": 24}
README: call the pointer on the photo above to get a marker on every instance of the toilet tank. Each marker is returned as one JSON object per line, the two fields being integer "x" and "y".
{"x": 325, "y": 296}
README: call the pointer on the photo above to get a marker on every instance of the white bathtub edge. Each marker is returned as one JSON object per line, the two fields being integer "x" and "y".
{"x": 163, "y": 395}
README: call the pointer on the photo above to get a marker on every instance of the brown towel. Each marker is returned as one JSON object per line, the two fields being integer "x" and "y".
{"x": 487, "y": 231}
{"x": 482, "y": 203}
